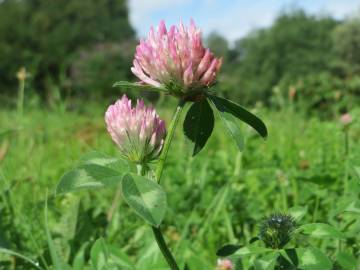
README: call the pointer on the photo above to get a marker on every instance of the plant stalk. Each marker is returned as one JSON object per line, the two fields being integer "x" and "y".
{"x": 346, "y": 148}
{"x": 317, "y": 203}
{"x": 346, "y": 141}
{"x": 164, "y": 248}
{"x": 168, "y": 139}
{"x": 158, "y": 173}
{"x": 21, "y": 75}
{"x": 143, "y": 170}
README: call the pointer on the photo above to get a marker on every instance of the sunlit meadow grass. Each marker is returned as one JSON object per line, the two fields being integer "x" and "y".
{"x": 219, "y": 197}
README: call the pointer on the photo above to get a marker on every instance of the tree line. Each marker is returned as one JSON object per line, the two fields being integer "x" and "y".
{"x": 79, "y": 48}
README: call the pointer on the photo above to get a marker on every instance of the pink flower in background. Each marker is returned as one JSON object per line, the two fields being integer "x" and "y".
{"x": 138, "y": 131}
{"x": 225, "y": 264}
{"x": 175, "y": 59}
{"x": 346, "y": 119}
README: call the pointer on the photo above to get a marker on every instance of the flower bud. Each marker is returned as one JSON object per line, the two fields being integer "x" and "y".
{"x": 138, "y": 131}
{"x": 276, "y": 230}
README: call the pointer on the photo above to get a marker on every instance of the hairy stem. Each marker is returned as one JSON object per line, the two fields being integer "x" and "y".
{"x": 159, "y": 169}
{"x": 164, "y": 249}
{"x": 114, "y": 205}
{"x": 169, "y": 137}
{"x": 142, "y": 169}
{"x": 20, "y": 104}
{"x": 346, "y": 146}
{"x": 346, "y": 141}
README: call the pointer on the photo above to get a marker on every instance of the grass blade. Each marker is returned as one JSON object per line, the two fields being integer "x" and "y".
{"x": 13, "y": 253}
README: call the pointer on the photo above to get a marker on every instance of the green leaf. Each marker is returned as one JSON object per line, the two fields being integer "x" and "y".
{"x": 99, "y": 254}
{"x": 199, "y": 124}
{"x": 105, "y": 256}
{"x": 291, "y": 255}
{"x": 58, "y": 264}
{"x": 195, "y": 262}
{"x": 254, "y": 239}
{"x": 251, "y": 250}
{"x": 138, "y": 86}
{"x": 231, "y": 123}
{"x": 224, "y": 105}
{"x": 99, "y": 158}
{"x": 121, "y": 260}
{"x": 353, "y": 207}
{"x": 347, "y": 261}
{"x": 357, "y": 172}
{"x": 267, "y": 262}
{"x": 13, "y": 253}
{"x": 298, "y": 212}
{"x": 227, "y": 250}
{"x": 79, "y": 259}
{"x": 320, "y": 230}
{"x": 146, "y": 197}
{"x": 313, "y": 259}
{"x": 284, "y": 263}
{"x": 321, "y": 179}
{"x": 151, "y": 258}
{"x": 66, "y": 229}
{"x": 7, "y": 132}
{"x": 88, "y": 176}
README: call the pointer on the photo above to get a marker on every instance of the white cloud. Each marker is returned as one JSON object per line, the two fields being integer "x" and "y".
{"x": 341, "y": 9}
{"x": 237, "y": 19}
{"x": 231, "y": 18}
{"x": 147, "y": 6}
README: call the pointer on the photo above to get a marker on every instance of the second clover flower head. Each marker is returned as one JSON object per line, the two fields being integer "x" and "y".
{"x": 346, "y": 119}
{"x": 176, "y": 59}
{"x": 137, "y": 130}
{"x": 224, "y": 264}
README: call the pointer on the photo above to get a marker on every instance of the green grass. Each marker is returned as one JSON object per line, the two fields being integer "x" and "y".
{"x": 218, "y": 197}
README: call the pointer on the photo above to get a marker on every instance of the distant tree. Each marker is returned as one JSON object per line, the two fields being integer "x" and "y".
{"x": 347, "y": 43}
{"x": 297, "y": 44}
{"x": 14, "y": 46}
{"x": 48, "y": 36}
{"x": 218, "y": 44}
{"x": 220, "y": 47}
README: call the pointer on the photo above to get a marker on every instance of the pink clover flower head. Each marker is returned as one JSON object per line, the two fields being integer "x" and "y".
{"x": 224, "y": 264}
{"x": 137, "y": 130}
{"x": 345, "y": 119}
{"x": 175, "y": 59}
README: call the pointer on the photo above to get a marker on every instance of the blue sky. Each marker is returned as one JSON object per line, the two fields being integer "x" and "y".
{"x": 231, "y": 18}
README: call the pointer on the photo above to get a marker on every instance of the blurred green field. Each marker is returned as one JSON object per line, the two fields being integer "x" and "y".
{"x": 218, "y": 197}
{"x": 299, "y": 73}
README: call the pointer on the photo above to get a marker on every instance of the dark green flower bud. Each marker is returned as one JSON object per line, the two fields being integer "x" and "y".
{"x": 276, "y": 230}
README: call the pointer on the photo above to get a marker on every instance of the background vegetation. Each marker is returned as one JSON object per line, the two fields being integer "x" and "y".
{"x": 299, "y": 75}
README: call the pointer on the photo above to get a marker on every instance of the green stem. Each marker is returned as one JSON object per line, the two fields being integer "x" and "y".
{"x": 159, "y": 169}
{"x": 346, "y": 146}
{"x": 237, "y": 164}
{"x": 283, "y": 195}
{"x": 167, "y": 143}
{"x": 164, "y": 249}
{"x": 142, "y": 170}
{"x": 20, "y": 105}
{"x": 317, "y": 203}
{"x": 346, "y": 141}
